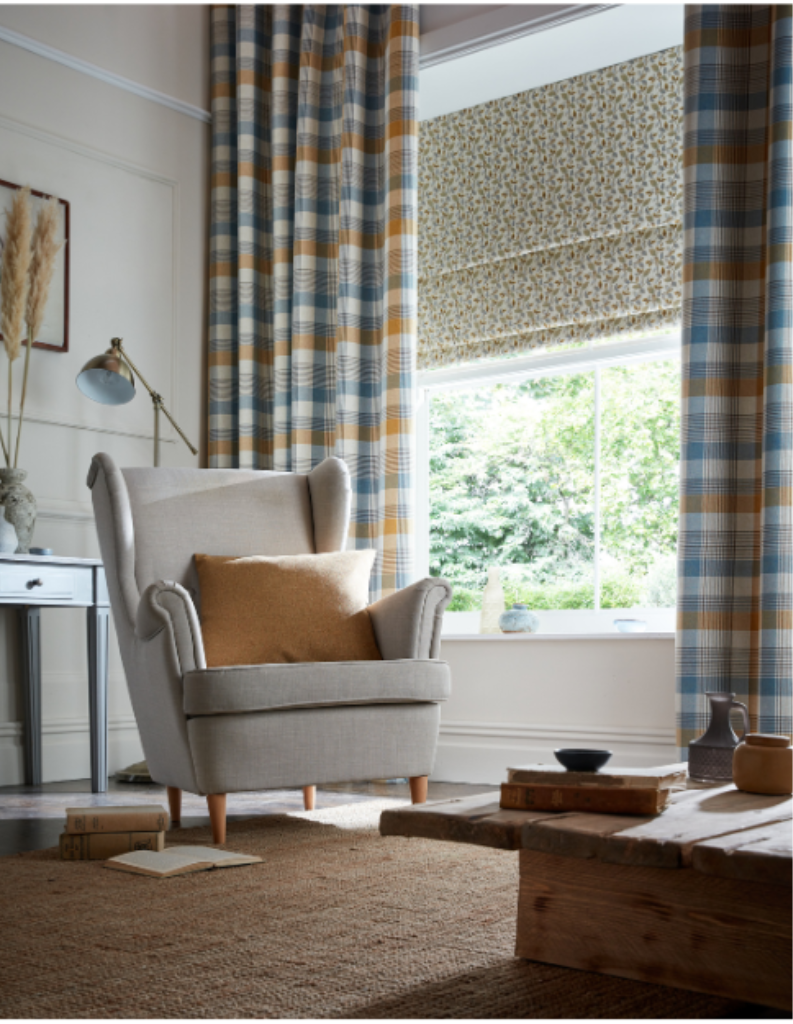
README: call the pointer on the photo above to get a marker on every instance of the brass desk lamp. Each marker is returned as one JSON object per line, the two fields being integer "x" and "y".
{"x": 109, "y": 379}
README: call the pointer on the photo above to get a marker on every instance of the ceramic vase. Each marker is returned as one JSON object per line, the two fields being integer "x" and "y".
{"x": 710, "y": 757}
{"x": 8, "y": 536}
{"x": 20, "y": 506}
{"x": 518, "y": 619}
{"x": 493, "y": 601}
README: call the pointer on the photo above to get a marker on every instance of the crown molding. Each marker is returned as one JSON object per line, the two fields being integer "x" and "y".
{"x": 510, "y": 32}
{"x": 84, "y": 67}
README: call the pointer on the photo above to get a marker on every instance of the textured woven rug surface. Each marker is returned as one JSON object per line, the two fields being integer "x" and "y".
{"x": 336, "y": 922}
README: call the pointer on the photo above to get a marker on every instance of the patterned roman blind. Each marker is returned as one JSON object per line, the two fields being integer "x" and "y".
{"x": 553, "y": 216}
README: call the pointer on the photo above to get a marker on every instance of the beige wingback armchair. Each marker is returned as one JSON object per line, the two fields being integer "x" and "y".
{"x": 214, "y": 731}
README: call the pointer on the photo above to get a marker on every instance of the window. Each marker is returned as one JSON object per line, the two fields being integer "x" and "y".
{"x": 563, "y": 470}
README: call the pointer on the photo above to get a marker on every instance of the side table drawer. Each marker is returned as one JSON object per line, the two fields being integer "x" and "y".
{"x": 36, "y": 584}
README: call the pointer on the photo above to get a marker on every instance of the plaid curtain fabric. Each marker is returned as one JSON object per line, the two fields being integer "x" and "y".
{"x": 313, "y": 253}
{"x": 735, "y": 603}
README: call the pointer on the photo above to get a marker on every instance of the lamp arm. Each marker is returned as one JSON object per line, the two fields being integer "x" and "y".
{"x": 174, "y": 424}
{"x": 156, "y": 397}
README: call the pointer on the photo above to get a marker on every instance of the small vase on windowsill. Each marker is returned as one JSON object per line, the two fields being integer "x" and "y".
{"x": 492, "y": 603}
{"x": 19, "y": 506}
{"x": 518, "y": 619}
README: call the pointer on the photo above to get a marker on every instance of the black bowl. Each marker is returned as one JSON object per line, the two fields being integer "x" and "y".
{"x": 582, "y": 760}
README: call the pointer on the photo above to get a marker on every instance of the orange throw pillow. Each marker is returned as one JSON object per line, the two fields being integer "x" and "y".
{"x": 296, "y": 608}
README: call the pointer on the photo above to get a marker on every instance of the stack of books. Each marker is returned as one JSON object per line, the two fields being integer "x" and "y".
{"x": 545, "y": 787}
{"x": 97, "y": 833}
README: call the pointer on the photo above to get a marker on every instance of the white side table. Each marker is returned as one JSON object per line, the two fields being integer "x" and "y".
{"x": 33, "y": 582}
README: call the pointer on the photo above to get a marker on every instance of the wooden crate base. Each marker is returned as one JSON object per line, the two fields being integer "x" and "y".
{"x": 675, "y": 927}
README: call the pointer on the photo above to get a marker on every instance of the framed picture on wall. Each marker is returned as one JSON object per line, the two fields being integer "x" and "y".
{"x": 54, "y": 334}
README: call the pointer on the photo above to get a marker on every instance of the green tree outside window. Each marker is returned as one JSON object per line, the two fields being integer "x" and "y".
{"x": 512, "y": 470}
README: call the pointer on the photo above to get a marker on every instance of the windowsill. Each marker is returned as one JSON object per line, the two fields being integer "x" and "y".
{"x": 533, "y": 637}
{"x": 581, "y": 624}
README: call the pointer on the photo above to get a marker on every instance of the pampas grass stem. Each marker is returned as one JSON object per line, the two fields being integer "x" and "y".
{"x": 5, "y": 450}
{"x": 14, "y": 272}
{"x": 42, "y": 264}
{"x": 14, "y": 288}
{"x": 22, "y": 399}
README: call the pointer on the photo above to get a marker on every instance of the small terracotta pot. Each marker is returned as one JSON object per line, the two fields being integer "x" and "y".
{"x": 763, "y": 763}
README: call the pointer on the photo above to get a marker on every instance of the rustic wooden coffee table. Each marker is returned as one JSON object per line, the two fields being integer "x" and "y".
{"x": 698, "y": 898}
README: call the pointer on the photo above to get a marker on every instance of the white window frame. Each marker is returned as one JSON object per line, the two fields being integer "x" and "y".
{"x": 594, "y": 358}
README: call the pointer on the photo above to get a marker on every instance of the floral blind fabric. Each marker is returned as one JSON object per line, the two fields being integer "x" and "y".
{"x": 553, "y": 216}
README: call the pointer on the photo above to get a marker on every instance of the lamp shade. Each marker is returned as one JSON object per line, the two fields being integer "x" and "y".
{"x": 107, "y": 379}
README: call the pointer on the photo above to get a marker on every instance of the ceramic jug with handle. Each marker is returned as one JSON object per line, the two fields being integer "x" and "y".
{"x": 710, "y": 757}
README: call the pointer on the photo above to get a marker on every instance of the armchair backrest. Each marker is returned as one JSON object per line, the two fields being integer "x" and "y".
{"x": 152, "y": 521}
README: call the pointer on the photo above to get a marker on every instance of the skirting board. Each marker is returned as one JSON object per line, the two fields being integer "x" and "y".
{"x": 481, "y": 752}
{"x": 65, "y": 749}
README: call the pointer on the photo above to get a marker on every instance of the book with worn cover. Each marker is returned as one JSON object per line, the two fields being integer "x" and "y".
{"x": 140, "y": 818}
{"x": 665, "y": 777}
{"x": 101, "y": 845}
{"x": 178, "y": 860}
{"x": 523, "y": 796}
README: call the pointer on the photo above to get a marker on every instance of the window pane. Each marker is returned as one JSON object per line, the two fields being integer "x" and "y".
{"x": 639, "y": 482}
{"x": 512, "y": 484}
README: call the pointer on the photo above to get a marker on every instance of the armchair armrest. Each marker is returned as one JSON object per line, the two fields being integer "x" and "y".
{"x": 408, "y": 624}
{"x": 167, "y": 605}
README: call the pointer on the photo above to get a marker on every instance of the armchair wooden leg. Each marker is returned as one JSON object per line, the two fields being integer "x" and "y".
{"x": 309, "y": 797}
{"x": 418, "y": 789}
{"x": 217, "y": 816}
{"x": 175, "y": 804}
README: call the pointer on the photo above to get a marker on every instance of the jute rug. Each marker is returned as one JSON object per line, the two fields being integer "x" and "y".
{"x": 336, "y": 922}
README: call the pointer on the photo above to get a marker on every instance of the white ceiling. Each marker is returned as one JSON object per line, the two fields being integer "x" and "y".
{"x": 471, "y": 54}
{"x": 449, "y": 31}
{"x": 440, "y": 16}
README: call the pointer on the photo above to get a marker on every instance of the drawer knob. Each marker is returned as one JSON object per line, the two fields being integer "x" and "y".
{"x": 34, "y": 583}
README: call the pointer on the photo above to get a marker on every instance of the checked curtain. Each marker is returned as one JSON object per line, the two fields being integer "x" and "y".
{"x": 313, "y": 253}
{"x": 735, "y": 599}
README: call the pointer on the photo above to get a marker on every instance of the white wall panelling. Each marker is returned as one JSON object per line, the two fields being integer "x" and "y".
{"x": 161, "y": 52}
{"x": 481, "y": 752}
{"x": 110, "y": 77}
{"x": 135, "y": 173}
{"x": 124, "y": 230}
{"x": 66, "y": 746}
{"x": 514, "y": 703}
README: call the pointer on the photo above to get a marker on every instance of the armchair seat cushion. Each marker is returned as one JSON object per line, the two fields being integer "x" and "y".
{"x": 278, "y": 687}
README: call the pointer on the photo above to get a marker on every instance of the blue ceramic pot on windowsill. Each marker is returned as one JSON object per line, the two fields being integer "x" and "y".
{"x": 518, "y": 619}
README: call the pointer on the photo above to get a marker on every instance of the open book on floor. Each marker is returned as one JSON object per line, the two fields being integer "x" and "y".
{"x": 178, "y": 860}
